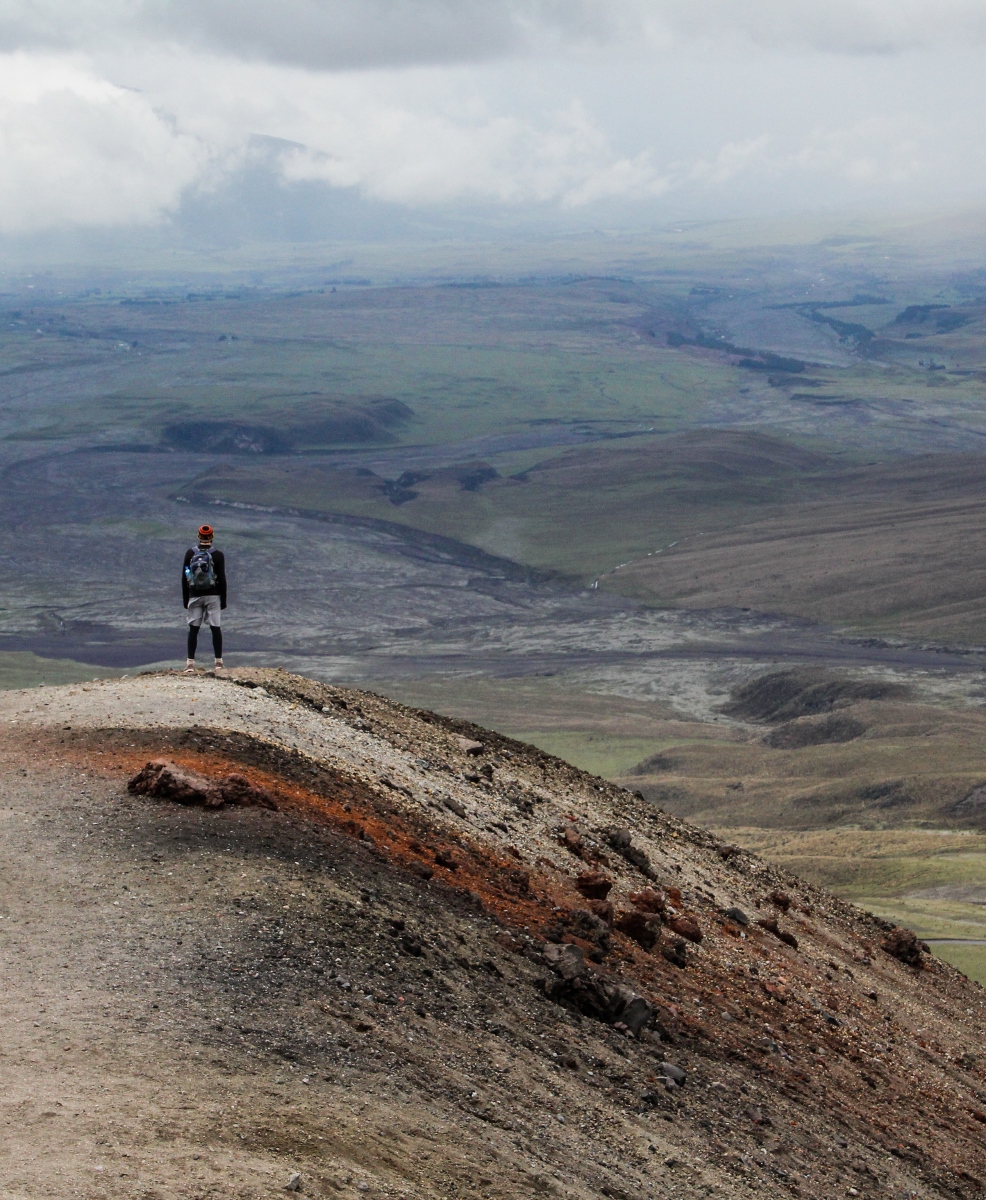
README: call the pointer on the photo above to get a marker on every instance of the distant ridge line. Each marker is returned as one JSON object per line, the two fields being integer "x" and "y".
{"x": 441, "y": 547}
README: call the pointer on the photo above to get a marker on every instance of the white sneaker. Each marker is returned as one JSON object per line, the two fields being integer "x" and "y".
{"x": 189, "y": 666}
{"x": 219, "y": 666}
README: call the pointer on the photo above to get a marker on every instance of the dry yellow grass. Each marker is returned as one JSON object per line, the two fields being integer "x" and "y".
{"x": 913, "y": 766}
{"x": 897, "y": 547}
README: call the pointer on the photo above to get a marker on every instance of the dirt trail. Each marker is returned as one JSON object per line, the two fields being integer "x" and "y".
{"x": 355, "y": 987}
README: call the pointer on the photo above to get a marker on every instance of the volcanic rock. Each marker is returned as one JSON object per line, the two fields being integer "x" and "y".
{"x": 905, "y": 946}
{"x": 644, "y": 928}
{"x": 686, "y": 927}
{"x": 594, "y": 885}
{"x": 675, "y": 953}
{"x": 737, "y": 915}
{"x": 167, "y": 780}
{"x": 648, "y": 900}
{"x": 771, "y": 926}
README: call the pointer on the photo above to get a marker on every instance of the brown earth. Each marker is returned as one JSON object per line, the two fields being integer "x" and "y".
{"x": 360, "y": 986}
{"x": 896, "y": 546}
{"x": 822, "y": 751}
{"x": 705, "y": 519}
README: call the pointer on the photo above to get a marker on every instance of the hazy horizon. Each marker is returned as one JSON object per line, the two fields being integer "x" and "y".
{"x": 397, "y": 119}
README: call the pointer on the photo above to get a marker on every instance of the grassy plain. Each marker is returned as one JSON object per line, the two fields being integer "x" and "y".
{"x": 469, "y": 363}
{"x": 601, "y": 733}
{"x": 785, "y": 489}
{"x": 893, "y": 547}
{"x": 580, "y": 511}
{"x": 884, "y": 765}
{"x": 21, "y": 669}
{"x": 704, "y": 519}
{"x": 931, "y": 881}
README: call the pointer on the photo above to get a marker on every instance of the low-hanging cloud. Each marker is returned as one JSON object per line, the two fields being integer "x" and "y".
{"x": 440, "y": 149}
{"x": 113, "y": 111}
{"x": 77, "y": 150}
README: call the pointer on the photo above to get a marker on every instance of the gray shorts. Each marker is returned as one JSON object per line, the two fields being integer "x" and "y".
{"x": 203, "y": 610}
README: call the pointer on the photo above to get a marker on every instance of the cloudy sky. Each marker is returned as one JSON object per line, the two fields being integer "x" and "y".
{"x": 127, "y": 112}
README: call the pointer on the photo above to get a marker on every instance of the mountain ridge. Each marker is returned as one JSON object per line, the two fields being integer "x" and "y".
{"x": 445, "y": 963}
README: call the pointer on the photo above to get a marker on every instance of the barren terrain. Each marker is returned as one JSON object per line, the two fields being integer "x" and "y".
{"x": 368, "y": 987}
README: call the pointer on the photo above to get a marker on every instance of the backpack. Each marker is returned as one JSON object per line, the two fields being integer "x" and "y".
{"x": 200, "y": 573}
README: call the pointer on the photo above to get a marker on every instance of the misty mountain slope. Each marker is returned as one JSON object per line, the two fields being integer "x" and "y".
{"x": 403, "y": 978}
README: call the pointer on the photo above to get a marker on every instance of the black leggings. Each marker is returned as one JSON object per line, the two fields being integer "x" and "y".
{"x": 193, "y": 640}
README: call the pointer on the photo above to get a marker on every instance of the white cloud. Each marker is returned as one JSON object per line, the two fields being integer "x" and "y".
{"x": 77, "y": 150}
{"x": 121, "y": 107}
{"x": 457, "y": 149}
{"x": 876, "y": 150}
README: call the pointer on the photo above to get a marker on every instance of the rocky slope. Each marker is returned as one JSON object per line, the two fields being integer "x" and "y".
{"x": 352, "y": 948}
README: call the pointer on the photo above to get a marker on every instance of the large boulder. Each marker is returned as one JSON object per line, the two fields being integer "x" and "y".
{"x": 167, "y": 780}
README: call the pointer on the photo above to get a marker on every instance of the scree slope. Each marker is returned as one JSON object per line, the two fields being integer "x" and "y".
{"x": 352, "y": 948}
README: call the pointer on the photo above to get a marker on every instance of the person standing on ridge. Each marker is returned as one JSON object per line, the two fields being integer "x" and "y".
{"x": 203, "y": 593}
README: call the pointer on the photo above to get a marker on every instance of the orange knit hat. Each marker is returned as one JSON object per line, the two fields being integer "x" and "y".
{"x": 205, "y": 533}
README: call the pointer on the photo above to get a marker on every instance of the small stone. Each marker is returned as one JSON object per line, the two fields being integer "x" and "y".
{"x": 781, "y": 899}
{"x": 686, "y": 927}
{"x": 167, "y": 780}
{"x": 648, "y": 900}
{"x": 737, "y": 915}
{"x": 770, "y": 924}
{"x": 675, "y": 954}
{"x": 904, "y": 945}
{"x": 594, "y": 885}
{"x": 566, "y": 959}
{"x": 294, "y": 1183}
{"x": 470, "y": 747}
{"x": 673, "y": 1072}
{"x": 571, "y": 839}
{"x": 644, "y": 928}
{"x": 444, "y": 859}
{"x": 619, "y": 839}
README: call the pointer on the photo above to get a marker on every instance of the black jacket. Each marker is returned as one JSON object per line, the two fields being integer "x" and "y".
{"x": 219, "y": 562}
